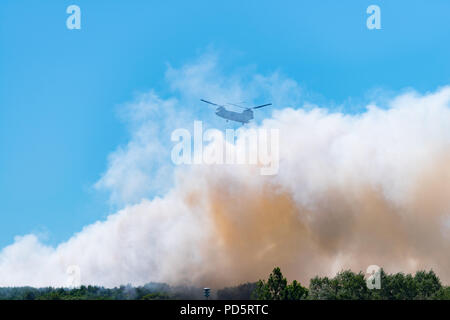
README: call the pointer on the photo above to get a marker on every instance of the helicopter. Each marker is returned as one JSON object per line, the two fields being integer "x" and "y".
{"x": 242, "y": 117}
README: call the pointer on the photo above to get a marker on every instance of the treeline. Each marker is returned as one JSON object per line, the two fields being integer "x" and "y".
{"x": 151, "y": 291}
{"x": 346, "y": 285}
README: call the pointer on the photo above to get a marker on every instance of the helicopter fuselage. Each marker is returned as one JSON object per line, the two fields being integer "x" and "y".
{"x": 242, "y": 117}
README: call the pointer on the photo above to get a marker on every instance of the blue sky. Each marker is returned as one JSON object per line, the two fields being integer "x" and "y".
{"x": 60, "y": 89}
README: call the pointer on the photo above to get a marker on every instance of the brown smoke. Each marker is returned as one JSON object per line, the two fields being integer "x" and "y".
{"x": 259, "y": 226}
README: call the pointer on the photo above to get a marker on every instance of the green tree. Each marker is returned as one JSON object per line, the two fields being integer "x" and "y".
{"x": 295, "y": 291}
{"x": 274, "y": 288}
{"x": 442, "y": 294}
{"x": 277, "y": 288}
{"x": 427, "y": 284}
{"x": 323, "y": 288}
{"x": 350, "y": 286}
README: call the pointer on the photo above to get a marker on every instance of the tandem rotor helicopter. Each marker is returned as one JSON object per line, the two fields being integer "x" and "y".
{"x": 242, "y": 117}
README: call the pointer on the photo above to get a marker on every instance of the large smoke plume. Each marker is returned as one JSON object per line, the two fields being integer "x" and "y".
{"x": 352, "y": 191}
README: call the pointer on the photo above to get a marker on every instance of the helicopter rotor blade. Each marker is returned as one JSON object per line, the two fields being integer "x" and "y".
{"x": 263, "y": 105}
{"x": 214, "y": 104}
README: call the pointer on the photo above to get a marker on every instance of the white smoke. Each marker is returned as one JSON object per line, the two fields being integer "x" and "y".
{"x": 352, "y": 190}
